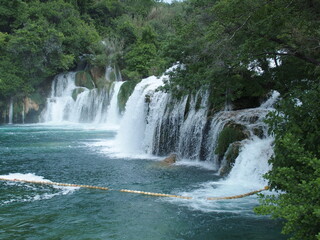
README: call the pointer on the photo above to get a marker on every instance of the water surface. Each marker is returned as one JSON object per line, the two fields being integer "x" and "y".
{"x": 76, "y": 154}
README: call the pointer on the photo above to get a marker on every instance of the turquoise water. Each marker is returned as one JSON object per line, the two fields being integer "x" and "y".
{"x": 75, "y": 154}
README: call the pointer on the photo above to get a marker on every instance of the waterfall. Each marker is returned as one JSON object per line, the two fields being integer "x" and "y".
{"x": 252, "y": 163}
{"x": 131, "y": 135}
{"x": 113, "y": 114}
{"x": 11, "y": 111}
{"x": 68, "y": 102}
{"x": 156, "y": 123}
{"x": 23, "y": 113}
{"x": 60, "y": 103}
{"x": 112, "y": 73}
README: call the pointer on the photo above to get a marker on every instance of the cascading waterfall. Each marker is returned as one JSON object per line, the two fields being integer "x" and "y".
{"x": 113, "y": 74}
{"x": 252, "y": 163}
{"x": 131, "y": 136}
{"x": 60, "y": 103}
{"x": 155, "y": 123}
{"x": 70, "y": 103}
{"x": 113, "y": 114}
{"x": 11, "y": 111}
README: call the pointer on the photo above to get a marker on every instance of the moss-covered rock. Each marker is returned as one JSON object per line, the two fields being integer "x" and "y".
{"x": 101, "y": 82}
{"x": 259, "y": 131}
{"x": 198, "y": 102}
{"x": 231, "y": 133}
{"x": 147, "y": 99}
{"x": 97, "y": 73}
{"x": 76, "y": 92}
{"x": 171, "y": 159}
{"x": 230, "y": 157}
{"x": 84, "y": 79}
{"x": 124, "y": 93}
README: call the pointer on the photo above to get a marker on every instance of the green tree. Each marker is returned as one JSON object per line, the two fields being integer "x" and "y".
{"x": 295, "y": 173}
{"x": 11, "y": 78}
{"x": 50, "y": 40}
{"x": 13, "y": 15}
{"x": 142, "y": 59}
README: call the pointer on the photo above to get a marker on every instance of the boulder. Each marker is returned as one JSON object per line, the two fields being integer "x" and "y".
{"x": 170, "y": 159}
{"x": 76, "y": 92}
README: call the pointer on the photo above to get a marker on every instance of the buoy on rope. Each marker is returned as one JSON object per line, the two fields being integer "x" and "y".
{"x": 132, "y": 191}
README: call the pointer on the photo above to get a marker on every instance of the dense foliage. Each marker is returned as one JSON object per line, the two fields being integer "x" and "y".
{"x": 237, "y": 49}
{"x": 296, "y": 164}
{"x": 38, "y": 40}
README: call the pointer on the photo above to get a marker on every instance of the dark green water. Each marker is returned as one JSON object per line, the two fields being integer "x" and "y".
{"x": 71, "y": 155}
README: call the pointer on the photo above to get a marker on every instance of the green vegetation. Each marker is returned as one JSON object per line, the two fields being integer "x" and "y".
{"x": 125, "y": 91}
{"x": 296, "y": 164}
{"x": 228, "y": 135}
{"x": 237, "y": 49}
{"x": 230, "y": 157}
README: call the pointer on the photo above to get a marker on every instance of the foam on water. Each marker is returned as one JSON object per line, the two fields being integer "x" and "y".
{"x": 34, "y": 194}
{"x": 196, "y": 163}
{"x": 245, "y": 176}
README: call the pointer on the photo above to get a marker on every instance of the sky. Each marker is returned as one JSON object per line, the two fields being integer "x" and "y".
{"x": 169, "y": 1}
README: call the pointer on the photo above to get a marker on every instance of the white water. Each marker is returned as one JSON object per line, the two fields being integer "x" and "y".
{"x": 130, "y": 138}
{"x": 113, "y": 115}
{"x": 45, "y": 194}
{"x": 245, "y": 176}
{"x": 154, "y": 123}
{"x": 113, "y": 74}
{"x": 90, "y": 106}
{"x": 252, "y": 163}
{"x": 11, "y": 111}
{"x": 275, "y": 95}
{"x": 60, "y": 102}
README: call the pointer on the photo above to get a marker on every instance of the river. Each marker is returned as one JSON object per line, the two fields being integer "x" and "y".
{"x": 83, "y": 154}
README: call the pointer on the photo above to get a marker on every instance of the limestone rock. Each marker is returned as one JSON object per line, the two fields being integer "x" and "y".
{"x": 170, "y": 159}
{"x": 29, "y": 104}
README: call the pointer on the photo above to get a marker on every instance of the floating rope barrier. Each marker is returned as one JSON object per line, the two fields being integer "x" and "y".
{"x": 130, "y": 191}
{"x": 239, "y": 196}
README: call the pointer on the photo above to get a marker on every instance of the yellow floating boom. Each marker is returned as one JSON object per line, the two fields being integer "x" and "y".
{"x": 131, "y": 191}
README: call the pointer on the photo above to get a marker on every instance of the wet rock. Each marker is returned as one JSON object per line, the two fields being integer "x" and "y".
{"x": 229, "y": 158}
{"x": 30, "y": 105}
{"x": 97, "y": 73}
{"x": 76, "y": 92}
{"x": 170, "y": 159}
{"x": 84, "y": 79}
{"x": 231, "y": 133}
